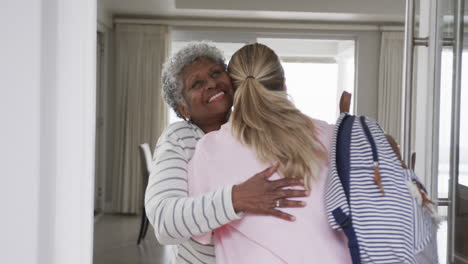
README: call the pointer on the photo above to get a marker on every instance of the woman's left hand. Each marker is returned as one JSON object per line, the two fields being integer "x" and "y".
{"x": 259, "y": 195}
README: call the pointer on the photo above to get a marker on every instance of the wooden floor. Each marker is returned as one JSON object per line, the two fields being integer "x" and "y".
{"x": 115, "y": 239}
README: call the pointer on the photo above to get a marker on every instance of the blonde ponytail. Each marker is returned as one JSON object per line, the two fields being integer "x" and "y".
{"x": 265, "y": 120}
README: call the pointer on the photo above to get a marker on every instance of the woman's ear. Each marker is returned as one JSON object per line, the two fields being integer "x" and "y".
{"x": 183, "y": 111}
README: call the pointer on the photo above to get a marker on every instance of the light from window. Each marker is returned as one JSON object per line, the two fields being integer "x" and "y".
{"x": 313, "y": 88}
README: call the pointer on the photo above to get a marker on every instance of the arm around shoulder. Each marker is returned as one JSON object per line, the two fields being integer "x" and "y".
{"x": 174, "y": 215}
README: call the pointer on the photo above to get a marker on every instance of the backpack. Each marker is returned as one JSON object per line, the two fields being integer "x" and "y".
{"x": 380, "y": 205}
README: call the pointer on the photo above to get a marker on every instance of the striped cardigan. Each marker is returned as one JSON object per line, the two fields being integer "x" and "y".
{"x": 175, "y": 216}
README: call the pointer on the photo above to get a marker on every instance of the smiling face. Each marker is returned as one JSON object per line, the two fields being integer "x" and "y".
{"x": 208, "y": 94}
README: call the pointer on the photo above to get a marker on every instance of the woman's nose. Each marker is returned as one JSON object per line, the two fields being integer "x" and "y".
{"x": 210, "y": 83}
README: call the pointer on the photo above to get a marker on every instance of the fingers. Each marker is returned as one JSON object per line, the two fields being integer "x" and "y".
{"x": 345, "y": 102}
{"x": 284, "y": 203}
{"x": 268, "y": 171}
{"x": 288, "y": 193}
{"x": 286, "y": 182}
{"x": 281, "y": 215}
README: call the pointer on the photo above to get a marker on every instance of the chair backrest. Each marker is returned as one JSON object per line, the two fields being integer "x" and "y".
{"x": 148, "y": 157}
{"x": 146, "y": 162}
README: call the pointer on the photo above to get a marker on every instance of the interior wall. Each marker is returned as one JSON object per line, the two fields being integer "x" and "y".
{"x": 370, "y": 11}
{"x": 381, "y": 7}
{"x": 68, "y": 124}
{"x": 48, "y": 119}
{"x": 47, "y": 135}
{"x": 20, "y": 98}
{"x": 367, "y": 73}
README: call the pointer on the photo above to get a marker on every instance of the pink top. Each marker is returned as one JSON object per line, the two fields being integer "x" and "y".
{"x": 220, "y": 160}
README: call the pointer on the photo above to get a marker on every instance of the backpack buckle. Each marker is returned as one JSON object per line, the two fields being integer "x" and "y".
{"x": 341, "y": 218}
{"x": 346, "y": 222}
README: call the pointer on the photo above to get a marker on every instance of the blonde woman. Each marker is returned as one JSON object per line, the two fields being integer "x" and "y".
{"x": 197, "y": 87}
{"x": 266, "y": 127}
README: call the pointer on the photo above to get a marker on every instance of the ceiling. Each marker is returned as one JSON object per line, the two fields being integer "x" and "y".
{"x": 362, "y": 11}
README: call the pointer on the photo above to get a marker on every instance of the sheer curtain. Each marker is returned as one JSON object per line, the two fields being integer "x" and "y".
{"x": 140, "y": 114}
{"x": 390, "y": 83}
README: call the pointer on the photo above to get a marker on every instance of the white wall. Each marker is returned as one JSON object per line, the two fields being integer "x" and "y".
{"x": 381, "y": 7}
{"x": 371, "y": 11}
{"x": 367, "y": 68}
{"x": 20, "y": 73}
{"x": 47, "y": 134}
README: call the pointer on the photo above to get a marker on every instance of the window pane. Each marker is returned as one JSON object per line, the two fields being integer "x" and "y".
{"x": 442, "y": 235}
{"x": 444, "y": 123}
{"x": 313, "y": 88}
{"x": 444, "y": 156}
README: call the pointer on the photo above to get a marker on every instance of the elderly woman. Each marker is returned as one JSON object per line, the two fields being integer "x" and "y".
{"x": 197, "y": 87}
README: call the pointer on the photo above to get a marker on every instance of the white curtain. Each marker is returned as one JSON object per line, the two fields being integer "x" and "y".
{"x": 390, "y": 83}
{"x": 140, "y": 113}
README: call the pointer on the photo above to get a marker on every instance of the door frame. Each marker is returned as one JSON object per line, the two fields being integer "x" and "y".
{"x": 68, "y": 117}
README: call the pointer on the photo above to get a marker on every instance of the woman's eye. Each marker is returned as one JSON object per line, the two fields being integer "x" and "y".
{"x": 196, "y": 84}
{"x": 215, "y": 74}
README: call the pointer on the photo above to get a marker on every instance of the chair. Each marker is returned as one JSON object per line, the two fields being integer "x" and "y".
{"x": 146, "y": 164}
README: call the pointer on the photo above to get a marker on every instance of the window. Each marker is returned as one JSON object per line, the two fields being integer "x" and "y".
{"x": 445, "y": 124}
{"x": 444, "y": 140}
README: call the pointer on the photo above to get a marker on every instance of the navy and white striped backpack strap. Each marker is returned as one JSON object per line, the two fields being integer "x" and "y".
{"x": 337, "y": 195}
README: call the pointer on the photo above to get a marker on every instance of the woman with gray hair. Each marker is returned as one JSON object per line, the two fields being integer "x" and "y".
{"x": 197, "y": 87}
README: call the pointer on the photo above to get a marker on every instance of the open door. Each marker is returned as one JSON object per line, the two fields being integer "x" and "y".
{"x": 454, "y": 111}
{"x": 441, "y": 128}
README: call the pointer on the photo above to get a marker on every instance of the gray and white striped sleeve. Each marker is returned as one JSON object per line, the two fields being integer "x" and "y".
{"x": 175, "y": 216}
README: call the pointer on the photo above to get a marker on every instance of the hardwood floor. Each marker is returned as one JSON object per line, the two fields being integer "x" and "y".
{"x": 115, "y": 239}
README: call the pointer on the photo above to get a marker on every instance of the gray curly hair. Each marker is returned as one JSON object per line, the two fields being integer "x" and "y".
{"x": 171, "y": 73}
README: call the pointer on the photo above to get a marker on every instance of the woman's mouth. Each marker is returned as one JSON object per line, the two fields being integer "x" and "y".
{"x": 216, "y": 97}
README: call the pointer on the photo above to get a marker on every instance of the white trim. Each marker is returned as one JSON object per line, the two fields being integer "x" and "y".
{"x": 248, "y": 24}
{"x": 392, "y": 28}
{"x": 427, "y": 81}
